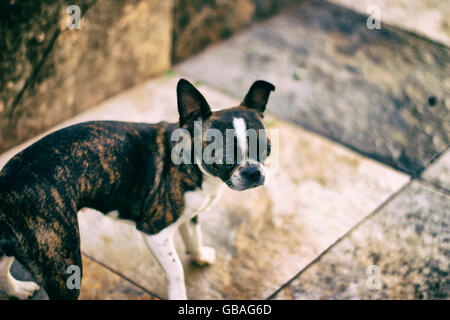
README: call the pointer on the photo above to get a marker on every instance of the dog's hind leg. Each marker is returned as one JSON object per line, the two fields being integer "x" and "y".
{"x": 51, "y": 253}
{"x": 59, "y": 271}
{"x": 61, "y": 277}
{"x": 59, "y": 265}
{"x": 10, "y": 285}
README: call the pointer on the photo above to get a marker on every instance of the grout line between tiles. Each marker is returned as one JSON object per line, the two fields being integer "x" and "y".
{"x": 433, "y": 159}
{"x": 434, "y": 186}
{"x": 340, "y": 239}
{"x": 121, "y": 275}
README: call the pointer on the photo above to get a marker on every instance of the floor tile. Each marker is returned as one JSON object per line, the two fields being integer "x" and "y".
{"x": 405, "y": 245}
{"x": 439, "y": 171}
{"x": 100, "y": 283}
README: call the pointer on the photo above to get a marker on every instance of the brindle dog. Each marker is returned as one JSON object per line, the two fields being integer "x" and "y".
{"x": 108, "y": 165}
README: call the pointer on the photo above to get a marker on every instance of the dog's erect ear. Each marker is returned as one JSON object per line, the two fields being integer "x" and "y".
{"x": 258, "y": 95}
{"x": 191, "y": 104}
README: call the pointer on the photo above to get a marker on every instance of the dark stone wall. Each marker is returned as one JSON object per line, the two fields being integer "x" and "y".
{"x": 49, "y": 73}
{"x": 198, "y": 23}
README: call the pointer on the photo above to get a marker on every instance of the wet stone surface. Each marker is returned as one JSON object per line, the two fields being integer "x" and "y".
{"x": 406, "y": 243}
{"x": 100, "y": 283}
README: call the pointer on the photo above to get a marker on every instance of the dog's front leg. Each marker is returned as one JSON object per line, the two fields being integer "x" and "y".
{"x": 162, "y": 247}
{"x": 193, "y": 240}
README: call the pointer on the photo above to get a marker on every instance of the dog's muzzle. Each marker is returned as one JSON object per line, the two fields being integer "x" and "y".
{"x": 246, "y": 176}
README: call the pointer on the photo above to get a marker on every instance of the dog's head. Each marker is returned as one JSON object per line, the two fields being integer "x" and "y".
{"x": 230, "y": 144}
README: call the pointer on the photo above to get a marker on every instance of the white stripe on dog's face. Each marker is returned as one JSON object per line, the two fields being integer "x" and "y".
{"x": 240, "y": 129}
{"x": 237, "y": 181}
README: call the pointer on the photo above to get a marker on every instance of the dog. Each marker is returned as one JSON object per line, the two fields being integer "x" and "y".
{"x": 128, "y": 167}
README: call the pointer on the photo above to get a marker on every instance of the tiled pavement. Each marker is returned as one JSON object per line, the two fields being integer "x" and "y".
{"x": 330, "y": 215}
{"x": 405, "y": 244}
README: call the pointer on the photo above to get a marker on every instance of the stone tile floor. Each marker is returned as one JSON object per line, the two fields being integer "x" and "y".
{"x": 404, "y": 246}
{"x": 329, "y": 224}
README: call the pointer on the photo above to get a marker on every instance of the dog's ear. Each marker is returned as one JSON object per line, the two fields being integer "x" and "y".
{"x": 191, "y": 104}
{"x": 258, "y": 95}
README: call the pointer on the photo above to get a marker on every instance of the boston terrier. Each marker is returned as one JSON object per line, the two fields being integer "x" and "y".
{"x": 131, "y": 168}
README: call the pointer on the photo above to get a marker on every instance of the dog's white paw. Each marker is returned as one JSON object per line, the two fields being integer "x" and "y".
{"x": 22, "y": 289}
{"x": 205, "y": 256}
{"x": 177, "y": 295}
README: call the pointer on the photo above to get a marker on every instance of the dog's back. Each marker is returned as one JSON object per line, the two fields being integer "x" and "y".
{"x": 93, "y": 164}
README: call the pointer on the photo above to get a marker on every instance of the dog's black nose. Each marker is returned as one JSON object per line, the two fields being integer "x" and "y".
{"x": 251, "y": 173}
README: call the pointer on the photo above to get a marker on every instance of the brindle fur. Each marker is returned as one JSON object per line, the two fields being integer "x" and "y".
{"x": 105, "y": 165}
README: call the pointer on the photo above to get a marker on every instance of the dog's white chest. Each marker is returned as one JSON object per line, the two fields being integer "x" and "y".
{"x": 200, "y": 200}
